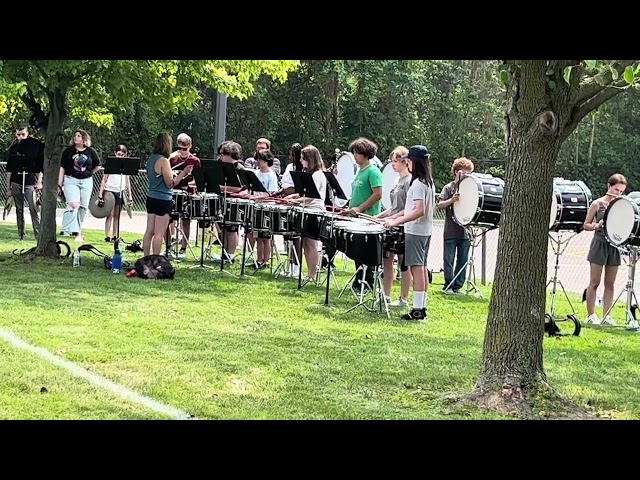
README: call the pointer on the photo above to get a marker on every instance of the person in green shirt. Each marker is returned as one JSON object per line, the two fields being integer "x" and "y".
{"x": 366, "y": 197}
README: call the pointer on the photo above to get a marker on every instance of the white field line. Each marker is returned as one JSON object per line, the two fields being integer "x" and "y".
{"x": 85, "y": 374}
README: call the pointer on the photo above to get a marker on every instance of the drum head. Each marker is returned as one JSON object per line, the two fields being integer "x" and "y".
{"x": 554, "y": 208}
{"x": 345, "y": 175}
{"x": 619, "y": 220}
{"x": 389, "y": 176}
{"x": 465, "y": 209}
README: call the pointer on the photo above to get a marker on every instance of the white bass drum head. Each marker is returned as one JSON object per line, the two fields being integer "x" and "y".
{"x": 389, "y": 176}
{"x": 554, "y": 207}
{"x": 467, "y": 206}
{"x": 619, "y": 223}
{"x": 345, "y": 175}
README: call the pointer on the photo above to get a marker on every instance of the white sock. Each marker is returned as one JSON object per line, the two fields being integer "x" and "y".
{"x": 418, "y": 300}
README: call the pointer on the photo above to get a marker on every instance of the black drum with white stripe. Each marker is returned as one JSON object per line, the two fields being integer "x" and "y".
{"x": 569, "y": 206}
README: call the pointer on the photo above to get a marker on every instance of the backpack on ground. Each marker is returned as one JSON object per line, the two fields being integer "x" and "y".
{"x": 154, "y": 267}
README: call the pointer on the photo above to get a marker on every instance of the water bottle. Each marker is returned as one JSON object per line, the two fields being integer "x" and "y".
{"x": 76, "y": 258}
{"x": 116, "y": 262}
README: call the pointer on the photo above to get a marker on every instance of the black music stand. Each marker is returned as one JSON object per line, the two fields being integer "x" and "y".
{"x": 224, "y": 175}
{"x": 252, "y": 184}
{"x": 306, "y": 188}
{"x": 205, "y": 182}
{"x": 121, "y": 166}
{"x": 20, "y": 164}
{"x": 335, "y": 191}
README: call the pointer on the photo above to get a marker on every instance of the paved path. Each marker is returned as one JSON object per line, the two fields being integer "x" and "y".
{"x": 573, "y": 271}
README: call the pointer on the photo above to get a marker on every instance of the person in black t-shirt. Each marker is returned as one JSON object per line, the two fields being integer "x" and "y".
{"x": 32, "y": 150}
{"x": 78, "y": 163}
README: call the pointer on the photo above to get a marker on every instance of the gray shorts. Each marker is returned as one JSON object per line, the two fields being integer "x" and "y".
{"x": 416, "y": 249}
{"x": 603, "y": 253}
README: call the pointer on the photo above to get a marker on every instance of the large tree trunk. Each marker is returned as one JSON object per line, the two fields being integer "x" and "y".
{"x": 512, "y": 356}
{"x": 54, "y": 144}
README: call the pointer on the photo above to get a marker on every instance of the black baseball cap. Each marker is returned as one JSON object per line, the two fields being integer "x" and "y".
{"x": 417, "y": 152}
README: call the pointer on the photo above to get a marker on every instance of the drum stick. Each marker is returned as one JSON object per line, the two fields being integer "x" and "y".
{"x": 369, "y": 217}
{"x": 172, "y": 168}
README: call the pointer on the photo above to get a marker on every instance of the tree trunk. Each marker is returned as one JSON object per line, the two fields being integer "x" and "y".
{"x": 54, "y": 144}
{"x": 512, "y": 356}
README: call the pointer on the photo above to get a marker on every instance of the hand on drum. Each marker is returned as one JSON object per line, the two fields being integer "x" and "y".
{"x": 352, "y": 211}
{"x": 390, "y": 222}
{"x": 455, "y": 197}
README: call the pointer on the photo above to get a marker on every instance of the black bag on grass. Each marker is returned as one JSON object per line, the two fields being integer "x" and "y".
{"x": 155, "y": 267}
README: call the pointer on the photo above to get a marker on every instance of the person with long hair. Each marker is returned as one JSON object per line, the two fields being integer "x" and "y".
{"x": 117, "y": 185}
{"x": 417, "y": 219}
{"x": 161, "y": 181}
{"x": 398, "y": 199}
{"x": 456, "y": 241}
{"x": 288, "y": 188}
{"x": 78, "y": 162}
{"x": 312, "y": 162}
{"x": 602, "y": 255}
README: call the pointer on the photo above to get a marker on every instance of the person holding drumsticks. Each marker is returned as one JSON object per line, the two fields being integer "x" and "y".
{"x": 602, "y": 255}
{"x": 398, "y": 199}
{"x": 456, "y": 240}
{"x": 417, "y": 219}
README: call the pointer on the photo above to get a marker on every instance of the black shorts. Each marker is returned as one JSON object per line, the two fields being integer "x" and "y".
{"x": 159, "y": 207}
{"x": 119, "y": 198}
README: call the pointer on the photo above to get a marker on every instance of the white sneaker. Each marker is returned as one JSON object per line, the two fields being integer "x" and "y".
{"x": 594, "y": 320}
{"x": 399, "y": 303}
{"x": 609, "y": 321}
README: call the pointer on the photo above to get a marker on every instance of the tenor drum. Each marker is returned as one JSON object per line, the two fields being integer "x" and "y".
{"x": 389, "y": 176}
{"x": 261, "y": 217}
{"x": 394, "y": 241}
{"x": 569, "y": 206}
{"x": 360, "y": 241}
{"x": 280, "y": 220}
{"x": 179, "y": 204}
{"x": 621, "y": 222}
{"x": 238, "y": 211}
{"x": 202, "y": 206}
{"x": 305, "y": 222}
{"x": 480, "y": 201}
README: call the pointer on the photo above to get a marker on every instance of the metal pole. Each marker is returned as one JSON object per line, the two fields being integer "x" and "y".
{"x": 221, "y": 118}
{"x": 483, "y": 267}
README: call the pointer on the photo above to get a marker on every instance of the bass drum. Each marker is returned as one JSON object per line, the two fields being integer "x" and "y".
{"x": 389, "y": 176}
{"x": 345, "y": 173}
{"x": 621, "y": 222}
{"x": 569, "y": 205}
{"x": 480, "y": 201}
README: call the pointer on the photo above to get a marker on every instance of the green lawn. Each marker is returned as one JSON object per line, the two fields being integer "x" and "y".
{"x": 253, "y": 347}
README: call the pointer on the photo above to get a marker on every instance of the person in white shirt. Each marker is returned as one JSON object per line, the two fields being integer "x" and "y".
{"x": 312, "y": 163}
{"x": 117, "y": 185}
{"x": 288, "y": 188}
{"x": 269, "y": 180}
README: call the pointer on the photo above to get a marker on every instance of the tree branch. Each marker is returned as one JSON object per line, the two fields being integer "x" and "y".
{"x": 591, "y": 88}
{"x": 580, "y": 111}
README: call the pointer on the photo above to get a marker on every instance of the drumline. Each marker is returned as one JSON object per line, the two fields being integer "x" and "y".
{"x": 364, "y": 240}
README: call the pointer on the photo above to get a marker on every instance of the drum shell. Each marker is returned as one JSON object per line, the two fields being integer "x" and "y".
{"x": 238, "y": 211}
{"x": 280, "y": 220}
{"x": 572, "y": 199}
{"x": 307, "y": 225}
{"x": 394, "y": 241}
{"x": 362, "y": 247}
{"x": 208, "y": 207}
{"x": 179, "y": 204}
{"x": 261, "y": 218}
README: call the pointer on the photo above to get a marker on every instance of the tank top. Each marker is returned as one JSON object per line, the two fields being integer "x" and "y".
{"x": 157, "y": 188}
{"x": 599, "y": 234}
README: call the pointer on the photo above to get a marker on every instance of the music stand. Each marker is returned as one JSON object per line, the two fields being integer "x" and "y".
{"x": 252, "y": 184}
{"x": 224, "y": 175}
{"x": 205, "y": 182}
{"x": 121, "y": 166}
{"x": 335, "y": 191}
{"x": 305, "y": 187}
{"x": 20, "y": 164}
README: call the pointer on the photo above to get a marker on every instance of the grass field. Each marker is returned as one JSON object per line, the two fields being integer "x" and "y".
{"x": 227, "y": 347}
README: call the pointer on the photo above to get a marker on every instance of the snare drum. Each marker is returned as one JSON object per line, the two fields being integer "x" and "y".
{"x": 238, "y": 211}
{"x": 569, "y": 206}
{"x": 307, "y": 225}
{"x": 204, "y": 206}
{"x": 621, "y": 222}
{"x": 480, "y": 201}
{"x": 361, "y": 241}
{"x": 179, "y": 204}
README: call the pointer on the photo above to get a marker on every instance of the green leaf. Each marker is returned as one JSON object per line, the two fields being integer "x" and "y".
{"x": 505, "y": 76}
{"x": 614, "y": 72}
{"x": 591, "y": 64}
{"x": 567, "y": 74}
{"x": 629, "y": 75}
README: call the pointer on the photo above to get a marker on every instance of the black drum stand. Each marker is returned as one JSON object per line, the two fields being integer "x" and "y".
{"x": 559, "y": 245}
{"x": 475, "y": 234}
